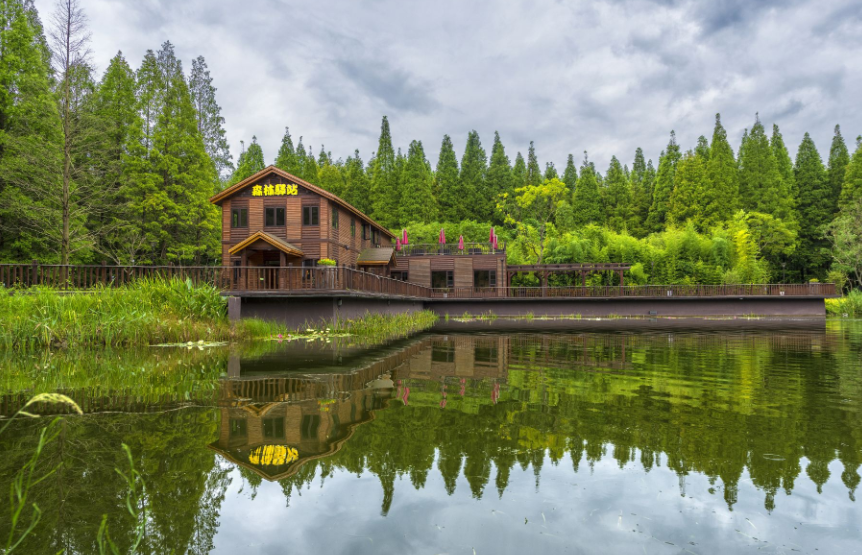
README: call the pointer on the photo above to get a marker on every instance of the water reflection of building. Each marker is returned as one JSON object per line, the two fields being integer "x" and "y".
{"x": 273, "y": 425}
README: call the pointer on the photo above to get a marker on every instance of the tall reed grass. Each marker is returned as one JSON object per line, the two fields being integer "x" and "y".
{"x": 851, "y": 305}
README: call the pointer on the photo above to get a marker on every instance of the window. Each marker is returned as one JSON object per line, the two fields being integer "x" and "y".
{"x": 366, "y": 231}
{"x": 274, "y": 217}
{"x": 400, "y": 276}
{"x": 239, "y": 217}
{"x": 353, "y": 227}
{"x": 442, "y": 280}
{"x": 310, "y": 215}
{"x": 485, "y": 354}
{"x": 273, "y": 427}
{"x": 374, "y": 236}
{"x": 309, "y": 263}
{"x": 310, "y": 423}
{"x": 485, "y": 278}
{"x": 238, "y": 427}
{"x": 334, "y": 218}
{"x": 442, "y": 353}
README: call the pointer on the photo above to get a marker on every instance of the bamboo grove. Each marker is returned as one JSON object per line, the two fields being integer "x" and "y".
{"x": 120, "y": 169}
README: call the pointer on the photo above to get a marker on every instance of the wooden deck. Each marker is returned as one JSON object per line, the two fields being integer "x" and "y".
{"x": 333, "y": 281}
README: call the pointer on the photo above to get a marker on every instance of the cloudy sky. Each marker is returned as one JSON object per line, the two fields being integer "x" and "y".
{"x": 603, "y": 76}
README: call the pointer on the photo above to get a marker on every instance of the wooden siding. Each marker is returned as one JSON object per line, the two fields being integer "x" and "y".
{"x": 463, "y": 271}
{"x": 420, "y": 271}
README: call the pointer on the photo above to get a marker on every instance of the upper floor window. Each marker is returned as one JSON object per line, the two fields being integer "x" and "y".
{"x": 366, "y": 231}
{"x": 239, "y": 217}
{"x": 334, "y": 217}
{"x": 274, "y": 217}
{"x": 310, "y": 215}
{"x": 353, "y": 227}
{"x": 374, "y": 236}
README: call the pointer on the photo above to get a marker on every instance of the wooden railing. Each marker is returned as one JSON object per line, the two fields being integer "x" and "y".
{"x": 642, "y": 291}
{"x": 322, "y": 279}
{"x": 448, "y": 249}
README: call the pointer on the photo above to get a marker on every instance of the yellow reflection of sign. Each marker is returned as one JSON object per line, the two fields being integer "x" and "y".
{"x": 272, "y": 455}
{"x": 277, "y": 190}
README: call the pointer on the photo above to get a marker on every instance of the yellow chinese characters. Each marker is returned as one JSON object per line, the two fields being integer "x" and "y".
{"x": 277, "y": 190}
{"x": 272, "y": 455}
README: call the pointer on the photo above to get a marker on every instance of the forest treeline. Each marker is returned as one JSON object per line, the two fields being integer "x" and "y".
{"x": 121, "y": 167}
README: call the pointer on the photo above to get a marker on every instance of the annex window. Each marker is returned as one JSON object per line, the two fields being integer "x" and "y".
{"x": 274, "y": 217}
{"x": 238, "y": 427}
{"x": 334, "y": 218}
{"x": 485, "y": 278}
{"x": 273, "y": 427}
{"x": 400, "y": 276}
{"x": 442, "y": 353}
{"x": 239, "y": 217}
{"x": 353, "y": 227}
{"x": 485, "y": 354}
{"x": 442, "y": 280}
{"x": 310, "y": 215}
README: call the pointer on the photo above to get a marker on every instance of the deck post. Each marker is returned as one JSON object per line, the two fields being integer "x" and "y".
{"x": 34, "y": 277}
{"x": 243, "y": 273}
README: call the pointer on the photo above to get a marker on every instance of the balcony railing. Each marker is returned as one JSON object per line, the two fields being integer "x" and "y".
{"x": 449, "y": 249}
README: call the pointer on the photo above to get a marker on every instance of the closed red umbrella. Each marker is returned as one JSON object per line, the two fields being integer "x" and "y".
{"x": 403, "y": 236}
{"x": 442, "y": 236}
{"x": 461, "y": 243}
{"x": 398, "y": 244}
{"x": 491, "y": 236}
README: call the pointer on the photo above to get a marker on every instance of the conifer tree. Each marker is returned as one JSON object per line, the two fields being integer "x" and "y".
{"x": 300, "y": 160}
{"x": 570, "y": 175}
{"x": 385, "y": 196}
{"x": 356, "y": 183}
{"x": 702, "y": 148}
{"x": 782, "y": 159}
{"x": 762, "y": 188}
{"x": 476, "y": 201}
{"x": 550, "y": 171}
{"x": 310, "y": 168}
{"x": 499, "y": 178}
{"x": 640, "y": 195}
{"x": 447, "y": 183}
{"x": 587, "y": 201}
{"x": 210, "y": 120}
{"x": 851, "y": 193}
{"x": 30, "y": 136}
{"x": 689, "y": 179}
{"x": 250, "y": 162}
{"x": 839, "y": 157}
{"x": 720, "y": 194}
{"x": 519, "y": 172}
{"x": 534, "y": 173}
{"x": 618, "y": 197}
{"x": 663, "y": 189}
{"x": 287, "y": 159}
{"x": 417, "y": 199}
{"x": 329, "y": 177}
{"x": 323, "y": 157}
{"x": 815, "y": 210}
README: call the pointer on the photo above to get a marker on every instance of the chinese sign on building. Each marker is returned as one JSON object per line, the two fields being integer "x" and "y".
{"x": 277, "y": 190}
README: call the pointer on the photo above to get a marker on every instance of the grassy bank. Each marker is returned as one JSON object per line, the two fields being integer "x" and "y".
{"x": 150, "y": 312}
{"x": 849, "y": 305}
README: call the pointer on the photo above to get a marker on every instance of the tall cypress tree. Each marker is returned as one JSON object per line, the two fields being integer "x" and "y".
{"x": 762, "y": 188}
{"x": 417, "y": 199}
{"x": 30, "y": 137}
{"x": 356, "y": 183}
{"x": 570, "y": 174}
{"x": 618, "y": 197}
{"x": 250, "y": 162}
{"x": 287, "y": 159}
{"x": 499, "y": 178}
{"x": 782, "y": 159}
{"x": 300, "y": 160}
{"x": 641, "y": 195}
{"x": 310, "y": 168}
{"x": 384, "y": 181}
{"x": 689, "y": 180}
{"x": 721, "y": 191}
{"x": 329, "y": 177}
{"x": 474, "y": 165}
{"x": 587, "y": 201}
{"x": 839, "y": 157}
{"x": 851, "y": 193}
{"x": 447, "y": 183}
{"x": 664, "y": 185}
{"x": 210, "y": 120}
{"x": 519, "y": 172}
{"x": 815, "y": 210}
{"x": 534, "y": 173}
{"x": 551, "y": 171}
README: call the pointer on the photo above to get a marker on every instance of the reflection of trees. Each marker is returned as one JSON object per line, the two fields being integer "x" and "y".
{"x": 718, "y": 405}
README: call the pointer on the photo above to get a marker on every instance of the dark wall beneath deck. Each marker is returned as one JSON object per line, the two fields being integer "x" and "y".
{"x": 634, "y": 307}
{"x": 297, "y": 312}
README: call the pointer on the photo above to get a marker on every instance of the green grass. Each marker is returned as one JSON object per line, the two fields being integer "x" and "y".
{"x": 849, "y": 305}
{"x": 369, "y": 326}
{"x": 153, "y": 311}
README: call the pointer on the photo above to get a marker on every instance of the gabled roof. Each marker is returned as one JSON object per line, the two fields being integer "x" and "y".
{"x": 233, "y": 189}
{"x": 376, "y": 256}
{"x": 280, "y": 244}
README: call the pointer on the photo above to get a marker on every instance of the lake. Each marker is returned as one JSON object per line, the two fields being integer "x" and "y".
{"x": 575, "y": 437}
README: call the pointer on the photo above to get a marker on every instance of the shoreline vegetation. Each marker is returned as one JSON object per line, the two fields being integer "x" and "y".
{"x": 154, "y": 311}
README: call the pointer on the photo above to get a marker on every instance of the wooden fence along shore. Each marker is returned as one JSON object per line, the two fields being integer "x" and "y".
{"x": 334, "y": 280}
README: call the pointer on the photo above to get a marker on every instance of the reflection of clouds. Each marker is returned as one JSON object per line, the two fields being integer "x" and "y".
{"x": 602, "y": 508}
{"x": 603, "y": 76}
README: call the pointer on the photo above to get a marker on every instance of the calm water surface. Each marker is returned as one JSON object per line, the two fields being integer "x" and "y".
{"x": 663, "y": 440}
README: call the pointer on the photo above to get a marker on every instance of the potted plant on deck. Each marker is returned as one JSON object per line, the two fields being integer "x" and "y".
{"x": 328, "y": 273}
